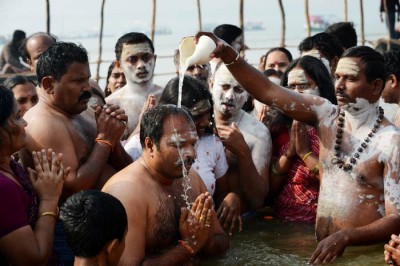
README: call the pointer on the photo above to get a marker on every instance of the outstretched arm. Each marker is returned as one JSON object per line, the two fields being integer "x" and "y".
{"x": 297, "y": 106}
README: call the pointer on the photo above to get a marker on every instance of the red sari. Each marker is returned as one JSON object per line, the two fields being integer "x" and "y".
{"x": 298, "y": 198}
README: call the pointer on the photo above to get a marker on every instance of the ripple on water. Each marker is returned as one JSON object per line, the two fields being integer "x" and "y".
{"x": 278, "y": 243}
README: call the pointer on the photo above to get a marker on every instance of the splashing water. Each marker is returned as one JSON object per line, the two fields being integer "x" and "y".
{"x": 185, "y": 173}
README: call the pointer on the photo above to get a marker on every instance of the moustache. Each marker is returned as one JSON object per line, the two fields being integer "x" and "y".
{"x": 85, "y": 96}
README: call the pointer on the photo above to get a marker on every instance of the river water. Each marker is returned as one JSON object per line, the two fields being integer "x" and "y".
{"x": 271, "y": 242}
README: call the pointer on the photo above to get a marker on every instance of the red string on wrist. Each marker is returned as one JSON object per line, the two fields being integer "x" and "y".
{"x": 186, "y": 245}
{"x": 99, "y": 140}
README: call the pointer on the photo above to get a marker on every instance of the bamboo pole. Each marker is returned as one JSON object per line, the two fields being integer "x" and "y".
{"x": 48, "y": 16}
{"x": 388, "y": 43}
{"x": 100, "y": 41}
{"x": 241, "y": 22}
{"x": 307, "y": 18}
{"x": 199, "y": 15}
{"x": 345, "y": 11}
{"x": 283, "y": 26}
{"x": 362, "y": 22}
{"x": 153, "y": 21}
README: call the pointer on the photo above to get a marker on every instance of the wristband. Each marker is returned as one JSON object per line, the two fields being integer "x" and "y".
{"x": 234, "y": 61}
{"x": 186, "y": 245}
{"x": 54, "y": 214}
{"x": 306, "y": 155}
{"x": 99, "y": 140}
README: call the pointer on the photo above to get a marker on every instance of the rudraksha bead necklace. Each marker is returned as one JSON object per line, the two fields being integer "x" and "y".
{"x": 338, "y": 141}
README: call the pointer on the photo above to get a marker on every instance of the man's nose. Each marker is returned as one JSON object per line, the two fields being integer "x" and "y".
{"x": 230, "y": 94}
{"x": 140, "y": 63}
{"x": 339, "y": 84}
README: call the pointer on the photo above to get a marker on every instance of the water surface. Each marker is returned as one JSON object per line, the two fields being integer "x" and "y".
{"x": 271, "y": 242}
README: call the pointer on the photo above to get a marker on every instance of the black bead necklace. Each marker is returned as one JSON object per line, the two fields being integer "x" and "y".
{"x": 338, "y": 141}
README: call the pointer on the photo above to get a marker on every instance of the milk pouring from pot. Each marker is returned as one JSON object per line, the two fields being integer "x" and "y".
{"x": 192, "y": 54}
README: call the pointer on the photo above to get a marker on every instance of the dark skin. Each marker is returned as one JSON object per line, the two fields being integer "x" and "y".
{"x": 392, "y": 251}
{"x": 335, "y": 229}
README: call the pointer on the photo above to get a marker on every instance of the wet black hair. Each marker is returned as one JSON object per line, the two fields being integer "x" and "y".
{"x": 193, "y": 91}
{"x": 90, "y": 220}
{"x": 374, "y": 62}
{"x": 56, "y": 60}
{"x": 131, "y": 38}
{"x": 153, "y": 119}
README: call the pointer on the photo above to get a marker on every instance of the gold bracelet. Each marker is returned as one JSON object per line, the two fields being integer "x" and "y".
{"x": 276, "y": 171}
{"x": 315, "y": 170}
{"x": 99, "y": 140}
{"x": 234, "y": 61}
{"x": 54, "y": 214}
{"x": 306, "y": 155}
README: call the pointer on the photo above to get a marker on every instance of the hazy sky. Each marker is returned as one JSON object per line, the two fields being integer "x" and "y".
{"x": 75, "y": 16}
{"x": 80, "y": 17}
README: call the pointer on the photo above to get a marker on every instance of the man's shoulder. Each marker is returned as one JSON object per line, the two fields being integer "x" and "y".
{"x": 251, "y": 125}
{"x": 125, "y": 181}
{"x": 39, "y": 115}
{"x": 115, "y": 96}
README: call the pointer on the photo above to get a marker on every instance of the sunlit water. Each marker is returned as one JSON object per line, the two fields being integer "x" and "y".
{"x": 271, "y": 242}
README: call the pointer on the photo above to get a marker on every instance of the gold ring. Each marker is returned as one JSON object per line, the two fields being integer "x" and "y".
{"x": 208, "y": 225}
{"x": 202, "y": 218}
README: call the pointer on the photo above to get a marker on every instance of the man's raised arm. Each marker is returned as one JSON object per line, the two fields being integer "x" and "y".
{"x": 295, "y": 105}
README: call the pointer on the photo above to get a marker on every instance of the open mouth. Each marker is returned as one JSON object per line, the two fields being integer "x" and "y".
{"x": 228, "y": 105}
{"x": 142, "y": 74}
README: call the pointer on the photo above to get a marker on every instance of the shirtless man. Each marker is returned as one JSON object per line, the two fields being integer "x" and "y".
{"x": 161, "y": 230}
{"x": 89, "y": 140}
{"x": 135, "y": 54}
{"x": 247, "y": 140}
{"x": 359, "y": 152}
{"x": 9, "y": 56}
{"x": 34, "y": 46}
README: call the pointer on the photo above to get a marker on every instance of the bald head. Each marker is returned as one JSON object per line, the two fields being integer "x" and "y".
{"x": 35, "y": 45}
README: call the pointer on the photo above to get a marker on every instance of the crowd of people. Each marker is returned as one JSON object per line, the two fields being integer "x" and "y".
{"x": 135, "y": 173}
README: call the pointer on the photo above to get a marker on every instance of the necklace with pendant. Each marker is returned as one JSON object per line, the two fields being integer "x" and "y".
{"x": 338, "y": 141}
